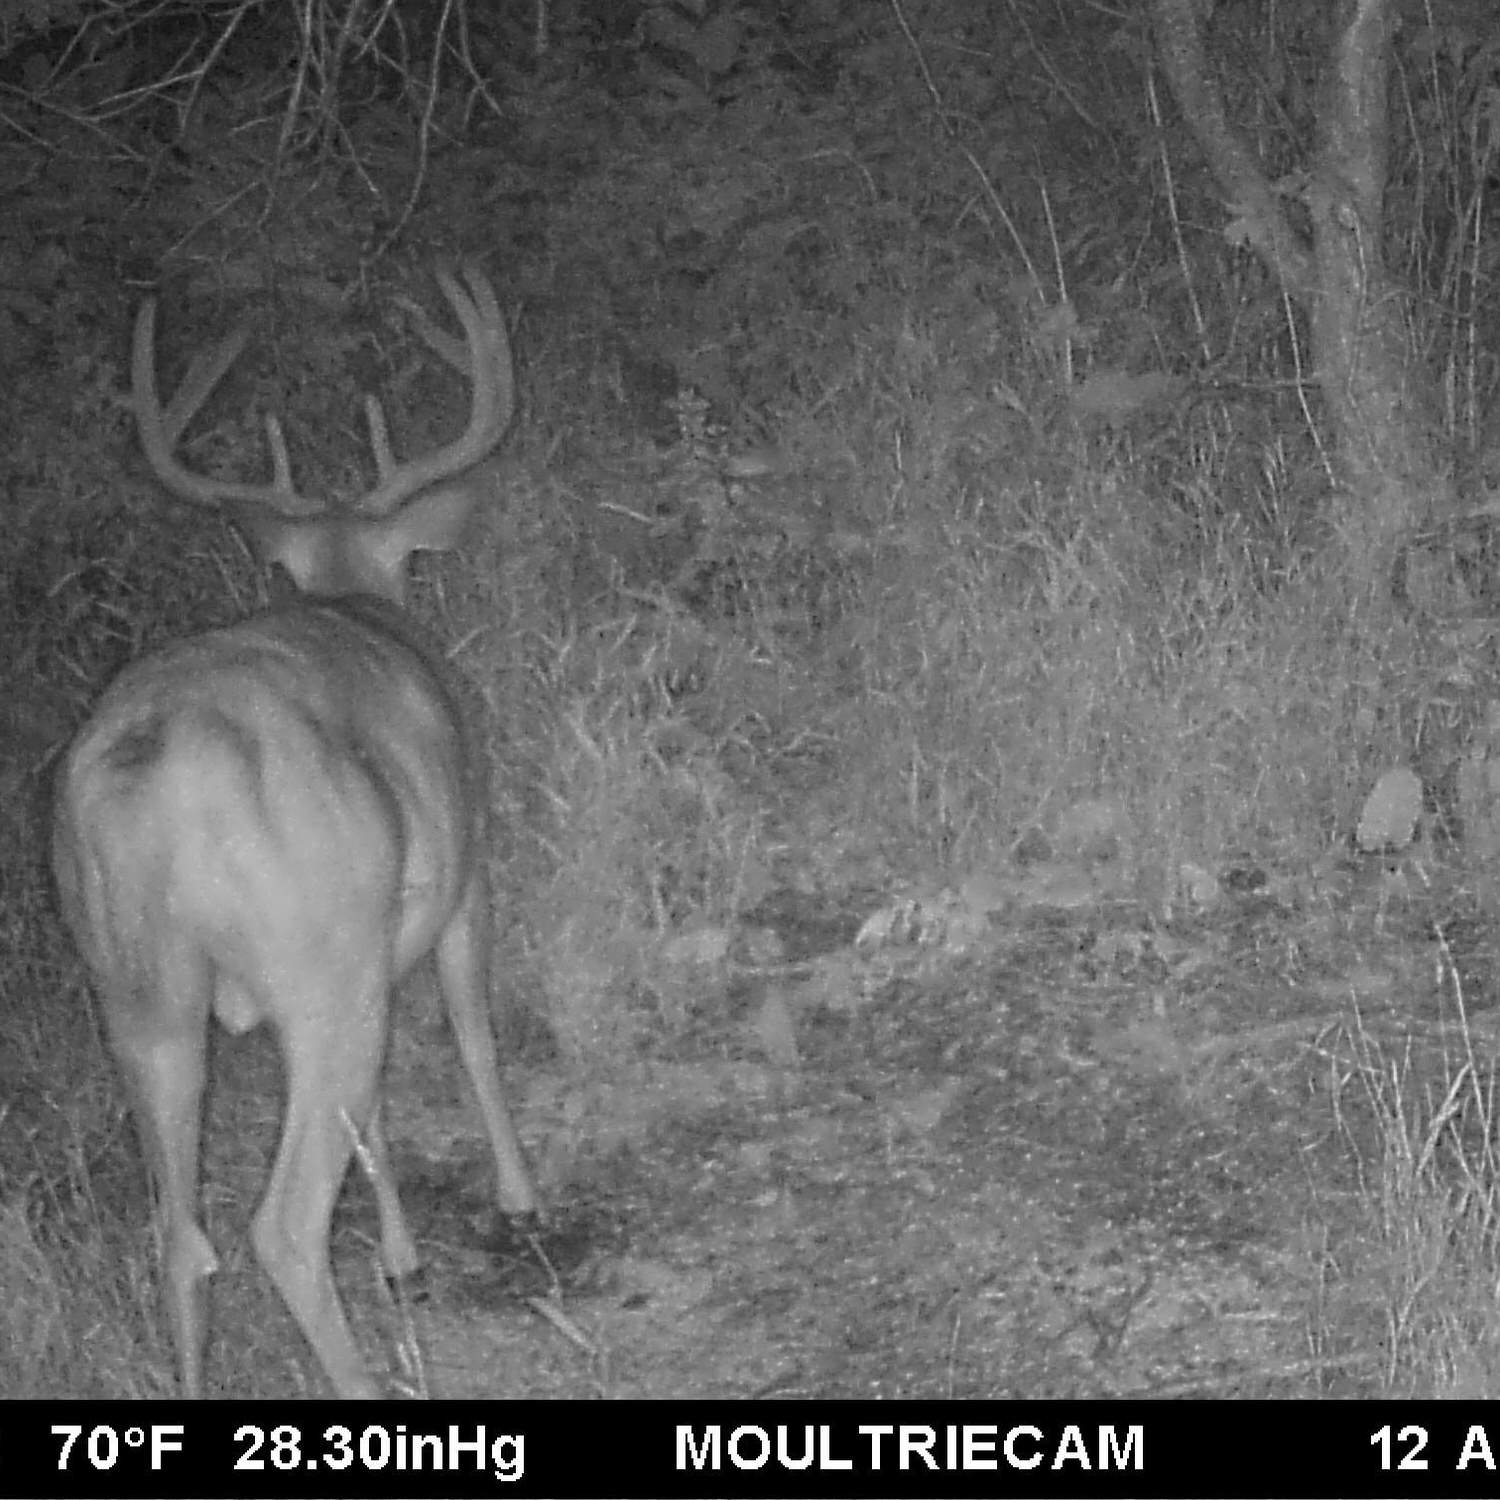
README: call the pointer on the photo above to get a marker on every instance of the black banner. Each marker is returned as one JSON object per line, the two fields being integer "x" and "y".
{"x": 784, "y": 1450}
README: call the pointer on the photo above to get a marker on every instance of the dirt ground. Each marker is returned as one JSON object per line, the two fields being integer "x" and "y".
{"x": 1043, "y": 1150}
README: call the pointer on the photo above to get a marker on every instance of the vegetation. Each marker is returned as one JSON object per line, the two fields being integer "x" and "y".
{"x": 946, "y": 605}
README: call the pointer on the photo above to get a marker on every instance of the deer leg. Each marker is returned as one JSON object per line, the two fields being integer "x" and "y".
{"x": 462, "y": 965}
{"x": 397, "y": 1248}
{"x": 332, "y": 1039}
{"x": 162, "y": 1058}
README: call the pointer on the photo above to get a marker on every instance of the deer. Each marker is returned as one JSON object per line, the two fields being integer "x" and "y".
{"x": 275, "y": 823}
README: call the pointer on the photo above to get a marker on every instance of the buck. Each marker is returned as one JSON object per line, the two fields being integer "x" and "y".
{"x": 275, "y": 823}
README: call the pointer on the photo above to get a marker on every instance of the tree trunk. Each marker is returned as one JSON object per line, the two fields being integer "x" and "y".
{"x": 1380, "y": 402}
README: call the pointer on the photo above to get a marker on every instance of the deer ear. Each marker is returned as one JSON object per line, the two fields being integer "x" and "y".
{"x": 438, "y": 520}
{"x": 434, "y": 521}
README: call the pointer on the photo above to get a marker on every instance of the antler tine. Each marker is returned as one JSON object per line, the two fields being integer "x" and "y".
{"x": 490, "y": 369}
{"x": 205, "y": 370}
{"x": 161, "y": 430}
{"x": 452, "y": 351}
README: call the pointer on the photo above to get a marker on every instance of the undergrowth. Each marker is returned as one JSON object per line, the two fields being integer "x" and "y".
{"x": 807, "y": 569}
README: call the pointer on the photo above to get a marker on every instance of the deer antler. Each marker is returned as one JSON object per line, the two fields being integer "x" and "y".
{"x": 488, "y": 366}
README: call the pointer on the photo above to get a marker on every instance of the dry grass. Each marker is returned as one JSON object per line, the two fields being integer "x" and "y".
{"x": 958, "y": 607}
